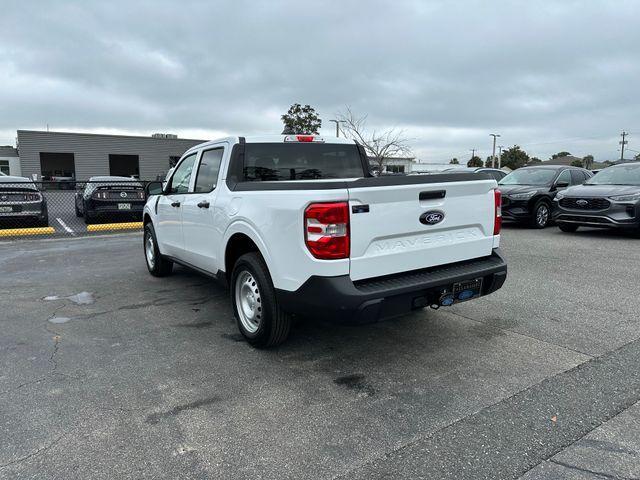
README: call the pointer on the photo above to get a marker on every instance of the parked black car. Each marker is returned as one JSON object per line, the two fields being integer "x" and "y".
{"x": 21, "y": 202}
{"x": 111, "y": 198}
{"x": 494, "y": 172}
{"x": 610, "y": 199}
{"x": 528, "y": 192}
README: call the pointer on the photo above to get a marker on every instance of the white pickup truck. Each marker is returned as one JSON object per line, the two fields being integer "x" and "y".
{"x": 297, "y": 225}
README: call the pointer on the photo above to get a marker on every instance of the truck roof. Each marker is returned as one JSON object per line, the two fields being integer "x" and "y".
{"x": 268, "y": 139}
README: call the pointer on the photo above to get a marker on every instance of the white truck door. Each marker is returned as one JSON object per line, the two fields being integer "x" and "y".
{"x": 169, "y": 216}
{"x": 200, "y": 228}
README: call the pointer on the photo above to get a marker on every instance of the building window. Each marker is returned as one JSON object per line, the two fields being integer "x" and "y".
{"x": 4, "y": 167}
{"x": 395, "y": 168}
{"x": 124, "y": 165}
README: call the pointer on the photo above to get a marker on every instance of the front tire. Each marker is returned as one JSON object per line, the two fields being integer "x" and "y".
{"x": 258, "y": 315}
{"x": 567, "y": 227}
{"x": 541, "y": 215}
{"x": 157, "y": 264}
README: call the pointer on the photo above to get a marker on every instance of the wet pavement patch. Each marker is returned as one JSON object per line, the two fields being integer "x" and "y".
{"x": 59, "y": 319}
{"x": 154, "y": 418}
{"x": 82, "y": 298}
{"x": 355, "y": 382}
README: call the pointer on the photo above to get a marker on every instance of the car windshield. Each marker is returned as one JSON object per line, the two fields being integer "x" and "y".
{"x": 529, "y": 176}
{"x": 618, "y": 175}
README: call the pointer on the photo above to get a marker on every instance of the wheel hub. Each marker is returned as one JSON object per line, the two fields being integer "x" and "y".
{"x": 248, "y": 301}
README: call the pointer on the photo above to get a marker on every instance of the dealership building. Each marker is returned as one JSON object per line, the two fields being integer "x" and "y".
{"x": 42, "y": 155}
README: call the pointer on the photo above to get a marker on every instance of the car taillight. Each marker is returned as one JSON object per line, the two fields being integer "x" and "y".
{"x": 99, "y": 195}
{"x": 497, "y": 221}
{"x": 326, "y": 230}
{"x": 32, "y": 197}
{"x": 141, "y": 195}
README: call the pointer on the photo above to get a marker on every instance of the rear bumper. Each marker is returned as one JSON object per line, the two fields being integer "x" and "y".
{"x": 339, "y": 298}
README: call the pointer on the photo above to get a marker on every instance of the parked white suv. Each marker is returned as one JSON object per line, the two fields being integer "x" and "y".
{"x": 298, "y": 225}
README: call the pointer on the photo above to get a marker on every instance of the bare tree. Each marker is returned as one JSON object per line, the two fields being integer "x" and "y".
{"x": 379, "y": 145}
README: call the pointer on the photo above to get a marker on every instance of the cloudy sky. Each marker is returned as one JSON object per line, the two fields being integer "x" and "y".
{"x": 547, "y": 75}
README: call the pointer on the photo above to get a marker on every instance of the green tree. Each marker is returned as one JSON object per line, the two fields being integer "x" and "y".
{"x": 454, "y": 161}
{"x": 587, "y": 162}
{"x": 487, "y": 162}
{"x": 560, "y": 154}
{"x": 535, "y": 160}
{"x": 301, "y": 119}
{"x": 474, "y": 162}
{"x": 514, "y": 157}
{"x": 576, "y": 163}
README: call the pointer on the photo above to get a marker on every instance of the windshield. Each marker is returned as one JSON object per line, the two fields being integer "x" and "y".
{"x": 618, "y": 175}
{"x": 529, "y": 176}
{"x": 300, "y": 161}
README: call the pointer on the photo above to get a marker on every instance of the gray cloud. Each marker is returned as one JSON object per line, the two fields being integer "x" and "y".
{"x": 546, "y": 75}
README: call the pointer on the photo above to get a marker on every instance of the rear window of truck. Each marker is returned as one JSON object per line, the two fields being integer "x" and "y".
{"x": 300, "y": 161}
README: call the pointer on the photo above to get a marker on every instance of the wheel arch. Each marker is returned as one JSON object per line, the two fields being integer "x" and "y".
{"x": 241, "y": 238}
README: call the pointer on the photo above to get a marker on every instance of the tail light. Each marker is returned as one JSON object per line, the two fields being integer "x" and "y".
{"x": 497, "y": 221}
{"x": 100, "y": 195}
{"x": 326, "y": 230}
{"x": 304, "y": 138}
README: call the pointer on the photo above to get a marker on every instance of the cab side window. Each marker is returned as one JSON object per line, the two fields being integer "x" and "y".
{"x": 182, "y": 175}
{"x": 208, "y": 171}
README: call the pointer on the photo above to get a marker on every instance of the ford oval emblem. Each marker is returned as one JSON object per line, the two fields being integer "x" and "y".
{"x": 123, "y": 194}
{"x": 582, "y": 202}
{"x": 432, "y": 217}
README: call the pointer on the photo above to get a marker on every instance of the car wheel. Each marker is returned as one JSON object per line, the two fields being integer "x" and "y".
{"x": 541, "y": 215}
{"x": 78, "y": 212}
{"x": 260, "y": 319}
{"x": 157, "y": 264}
{"x": 567, "y": 227}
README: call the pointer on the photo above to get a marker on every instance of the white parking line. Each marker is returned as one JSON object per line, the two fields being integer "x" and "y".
{"x": 64, "y": 225}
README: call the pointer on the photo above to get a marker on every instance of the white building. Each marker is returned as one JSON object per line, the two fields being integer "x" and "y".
{"x": 9, "y": 161}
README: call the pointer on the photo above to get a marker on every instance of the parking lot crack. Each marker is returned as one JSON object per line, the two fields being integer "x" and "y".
{"x": 591, "y": 472}
{"x": 523, "y": 335}
{"x": 39, "y": 451}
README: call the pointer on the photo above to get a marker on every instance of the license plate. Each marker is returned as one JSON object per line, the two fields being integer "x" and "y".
{"x": 124, "y": 206}
{"x": 462, "y": 291}
{"x": 6, "y": 209}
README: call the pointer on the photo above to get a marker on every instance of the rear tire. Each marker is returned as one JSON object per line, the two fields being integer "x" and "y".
{"x": 541, "y": 215}
{"x": 157, "y": 264}
{"x": 567, "y": 227}
{"x": 258, "y": 315}
{"x": 78, "y": 212}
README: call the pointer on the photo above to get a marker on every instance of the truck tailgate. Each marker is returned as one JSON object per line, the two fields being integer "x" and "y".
{"x": 388, "y": 237}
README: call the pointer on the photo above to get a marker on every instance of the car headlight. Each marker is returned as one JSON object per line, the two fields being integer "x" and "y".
{"x": 559, "y": 195}
{"x": 522, "y": 196}
{"x": 626, "y": 198}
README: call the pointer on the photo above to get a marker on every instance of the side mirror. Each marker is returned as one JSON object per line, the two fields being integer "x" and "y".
{"x": 562, "y": 184}
{"x": 154, "y": 188}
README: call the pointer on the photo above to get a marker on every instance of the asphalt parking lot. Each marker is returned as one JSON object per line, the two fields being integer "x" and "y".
{"x": 111, "y": 373}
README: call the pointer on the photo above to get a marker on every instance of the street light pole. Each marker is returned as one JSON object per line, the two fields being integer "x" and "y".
{"x": 500, "y": 147}
{"x": 493, "y": 154}
{"x": 337, "y": 122}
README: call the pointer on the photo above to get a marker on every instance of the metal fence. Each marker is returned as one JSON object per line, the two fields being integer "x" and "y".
{"x": 69, "y": 208}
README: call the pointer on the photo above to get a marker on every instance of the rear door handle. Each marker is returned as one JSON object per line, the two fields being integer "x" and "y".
{"x": 203, "y": 204}
{"x": 175, "y": 204}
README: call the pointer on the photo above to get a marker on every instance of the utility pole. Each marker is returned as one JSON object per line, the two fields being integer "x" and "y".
{"x": 473, "y": 152}
{"x": 493, "y": 154}
{"x": 337, "y": 122}
{"x": 623, "y": 143}
{"x": 500, "y": 147}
